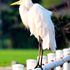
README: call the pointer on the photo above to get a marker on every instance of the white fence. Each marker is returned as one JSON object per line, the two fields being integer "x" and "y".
{"x": 54, "y": 61}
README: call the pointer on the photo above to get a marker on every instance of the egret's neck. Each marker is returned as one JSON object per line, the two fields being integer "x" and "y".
{"x": 27, "y": 3}
{"x": 23, "y": 10}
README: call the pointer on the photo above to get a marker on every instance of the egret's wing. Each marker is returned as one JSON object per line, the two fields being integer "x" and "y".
{"x": 40, "y": 24}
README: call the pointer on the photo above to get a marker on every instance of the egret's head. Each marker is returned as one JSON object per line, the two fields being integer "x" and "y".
{"x": 19, "y": 2}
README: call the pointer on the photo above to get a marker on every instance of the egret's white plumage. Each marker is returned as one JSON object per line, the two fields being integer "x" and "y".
{"x": 38, "y": 20}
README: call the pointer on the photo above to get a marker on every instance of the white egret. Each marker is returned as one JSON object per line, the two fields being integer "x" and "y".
{"x": 38, "y": 20}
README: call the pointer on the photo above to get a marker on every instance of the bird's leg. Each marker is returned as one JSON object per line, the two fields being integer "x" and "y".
{"x": 40, "y": 54}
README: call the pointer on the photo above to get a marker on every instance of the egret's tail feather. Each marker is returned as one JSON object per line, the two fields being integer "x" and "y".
{"x": 49, "y": 44}
{"x": 45, "y": 44}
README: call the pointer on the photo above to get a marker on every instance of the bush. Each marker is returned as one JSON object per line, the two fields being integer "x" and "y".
{"x": 62, "y": 37}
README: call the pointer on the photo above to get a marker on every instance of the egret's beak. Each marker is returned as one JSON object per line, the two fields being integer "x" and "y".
{"x": 15, "y": 3}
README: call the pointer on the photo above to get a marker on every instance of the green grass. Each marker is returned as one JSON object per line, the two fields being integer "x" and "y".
{"x": 7, "y": 56}
{"x": 50, "y": 3}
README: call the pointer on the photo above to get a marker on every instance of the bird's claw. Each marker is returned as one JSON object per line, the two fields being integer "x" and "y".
{"x": 39, "y": 67}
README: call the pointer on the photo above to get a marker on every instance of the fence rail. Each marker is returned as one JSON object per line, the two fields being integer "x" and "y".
{"x": 54, "y": 61}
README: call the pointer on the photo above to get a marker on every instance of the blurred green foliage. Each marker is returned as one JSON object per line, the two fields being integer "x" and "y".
{"x": 50, "y": 3}
{"x": 62, "y": 28}
{"x": 15, "y": 35}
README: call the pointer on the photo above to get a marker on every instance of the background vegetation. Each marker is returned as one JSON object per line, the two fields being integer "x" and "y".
{"x": 14, "y": 35}
{"x": 50, "y": 3}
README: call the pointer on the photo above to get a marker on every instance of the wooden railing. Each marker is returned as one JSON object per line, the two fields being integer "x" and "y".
{"x": 54, "y": 61}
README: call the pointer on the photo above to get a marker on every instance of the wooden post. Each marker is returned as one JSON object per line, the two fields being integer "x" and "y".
{"x": 66, "y": 65}
{"x": 59, "y": 55}
{"x": 17, "y": 67}
{"x": 30, "y": 64}
{"x": 44, "y": 60}
{"x": 66, "y": 51}
{"x": 69, "y": 61}
{"x": 51, "y": 58}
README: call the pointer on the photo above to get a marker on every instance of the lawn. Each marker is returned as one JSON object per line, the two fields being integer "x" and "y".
{"x": 7, "y": 56}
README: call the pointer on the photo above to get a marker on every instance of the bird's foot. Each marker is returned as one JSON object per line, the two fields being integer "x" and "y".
{"x": 39, "y": 66}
